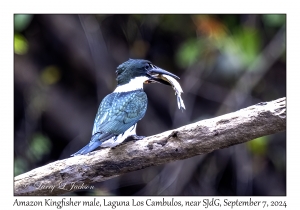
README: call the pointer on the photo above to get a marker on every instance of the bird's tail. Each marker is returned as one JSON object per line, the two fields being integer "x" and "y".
{"x": 94, "y": 143}
{"x": 88, "y": 148}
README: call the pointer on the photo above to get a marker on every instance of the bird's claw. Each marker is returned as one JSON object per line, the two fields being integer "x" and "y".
{"x": 136, "y": 137}
{"x": 133, "y": 138}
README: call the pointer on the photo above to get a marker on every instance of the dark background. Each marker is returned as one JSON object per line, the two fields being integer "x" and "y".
{"x": 64, "y": 65}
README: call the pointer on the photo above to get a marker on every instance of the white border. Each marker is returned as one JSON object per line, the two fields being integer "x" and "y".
{"x": 155, "y": 6}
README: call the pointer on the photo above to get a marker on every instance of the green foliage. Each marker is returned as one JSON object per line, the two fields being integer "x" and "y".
{"x": 172, "y": 23}
{"x": 259, "y": 146}
{"x": 20, "y": 166}
{"x": 50, "y": 75}
{"x": 40, "y": 145}
{"x": 274, "y": 20}
{"x": 249, "y": 41}
{"x": 20, "y": 44}
{"x": 22, "y": 21}
{"x": 189, "y": 52}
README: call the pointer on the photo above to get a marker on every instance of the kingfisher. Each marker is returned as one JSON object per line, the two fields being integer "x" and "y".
{"x": 120, "y": 110}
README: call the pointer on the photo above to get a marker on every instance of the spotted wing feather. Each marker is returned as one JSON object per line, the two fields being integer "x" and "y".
{"x": 120, "y": 111}
{"x": 117, "y": 113}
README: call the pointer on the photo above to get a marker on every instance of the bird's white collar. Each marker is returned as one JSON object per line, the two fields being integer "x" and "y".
{"x": 133, "y": 84}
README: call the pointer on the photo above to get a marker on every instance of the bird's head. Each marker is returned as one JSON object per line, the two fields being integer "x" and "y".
{"x": 140, "y": 69}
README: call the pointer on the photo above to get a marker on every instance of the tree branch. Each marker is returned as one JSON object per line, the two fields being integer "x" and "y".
{"x": 194, "y": 139}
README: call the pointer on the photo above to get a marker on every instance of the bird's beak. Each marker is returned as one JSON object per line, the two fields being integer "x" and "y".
{"x": 155, "y": 75}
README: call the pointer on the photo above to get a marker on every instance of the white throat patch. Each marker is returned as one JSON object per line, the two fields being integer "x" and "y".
{"x": 134, "y": 84}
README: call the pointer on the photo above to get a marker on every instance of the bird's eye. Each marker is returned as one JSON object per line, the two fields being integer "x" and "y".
{"x": 147, "y": 66}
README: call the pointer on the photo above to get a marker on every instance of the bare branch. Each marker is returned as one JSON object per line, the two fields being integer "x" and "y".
{"x": 194, "y": 139}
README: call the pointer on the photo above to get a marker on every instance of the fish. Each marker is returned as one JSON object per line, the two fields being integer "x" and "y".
{"x": 177, "y": 88}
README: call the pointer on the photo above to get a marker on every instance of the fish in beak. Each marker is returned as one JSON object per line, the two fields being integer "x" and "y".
{"x": 157, "y": 74}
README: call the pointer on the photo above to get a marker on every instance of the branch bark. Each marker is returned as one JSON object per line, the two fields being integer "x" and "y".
{"x": 202, "y": 137}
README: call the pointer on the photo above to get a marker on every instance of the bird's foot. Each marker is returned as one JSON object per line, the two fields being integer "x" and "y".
{"x": 133, "y": 138}
{"x": 136, "y": 137}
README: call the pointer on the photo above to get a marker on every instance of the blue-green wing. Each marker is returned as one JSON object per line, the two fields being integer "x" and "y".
{"x": 119, "y": 111}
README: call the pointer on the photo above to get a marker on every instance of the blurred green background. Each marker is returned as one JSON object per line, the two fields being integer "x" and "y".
{"x": 64, "y": 65}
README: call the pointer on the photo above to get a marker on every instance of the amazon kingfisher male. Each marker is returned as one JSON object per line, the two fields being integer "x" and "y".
{"x": 120, "y": 111}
